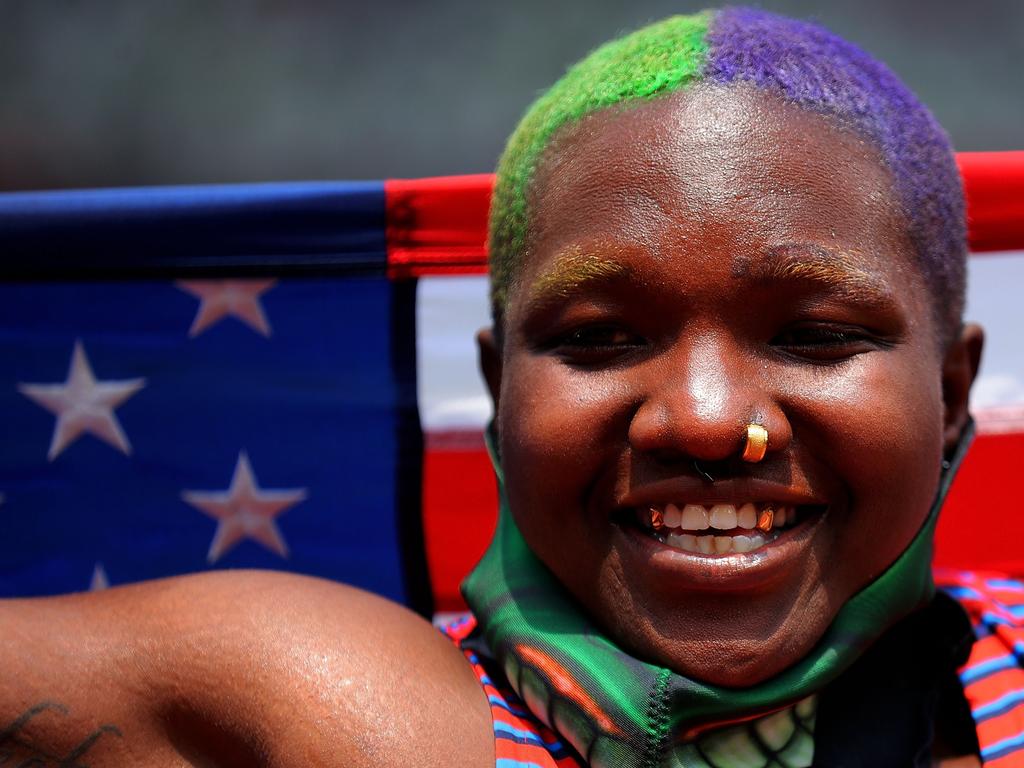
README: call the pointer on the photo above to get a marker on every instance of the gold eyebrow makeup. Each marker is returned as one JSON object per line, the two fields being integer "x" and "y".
{"x": 572, "y": 269}
{"x": 836, "y": 270}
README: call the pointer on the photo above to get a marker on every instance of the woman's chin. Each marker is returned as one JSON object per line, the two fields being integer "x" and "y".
{"x": 733, "y": 672}
{"x": 712, "y": 657}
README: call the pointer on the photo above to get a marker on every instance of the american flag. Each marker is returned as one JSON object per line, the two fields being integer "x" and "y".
{"x": 234, "y": 377}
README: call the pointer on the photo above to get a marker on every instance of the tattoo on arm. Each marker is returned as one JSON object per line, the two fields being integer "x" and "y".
{"x": 15, "y": 752}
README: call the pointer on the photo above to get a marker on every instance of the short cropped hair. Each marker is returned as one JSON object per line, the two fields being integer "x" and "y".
{"x": 798, "y": 61}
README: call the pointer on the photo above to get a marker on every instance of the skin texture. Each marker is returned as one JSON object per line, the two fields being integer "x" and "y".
{"x": 759, "y": 272}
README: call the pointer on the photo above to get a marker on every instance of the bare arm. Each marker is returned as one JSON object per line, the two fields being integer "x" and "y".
{"x": 233, "y": 669}
{"x": 69, "y": 685}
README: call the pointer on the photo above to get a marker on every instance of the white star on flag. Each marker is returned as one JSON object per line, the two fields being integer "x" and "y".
{"x": 220, "y": 298}
{"x": 244, "y": 511}
{"x": 83, "y": 404}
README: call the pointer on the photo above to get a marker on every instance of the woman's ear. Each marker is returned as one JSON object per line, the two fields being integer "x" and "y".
{"x": 963, "y": 356}
{"x": 490, "y": 363}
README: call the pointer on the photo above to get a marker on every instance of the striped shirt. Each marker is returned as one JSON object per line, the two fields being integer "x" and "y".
{"x": 520, "y": 739}
{"x": 993, "y": 677}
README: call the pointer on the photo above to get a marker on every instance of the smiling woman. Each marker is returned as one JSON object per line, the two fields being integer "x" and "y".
{"x": 728, "y": 304}
{"x": 723, "y": 225}
{"x": 730, "y": 381}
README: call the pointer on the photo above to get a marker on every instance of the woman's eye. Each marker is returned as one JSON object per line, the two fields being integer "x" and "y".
{"x": 825, "y": 342}
{"x": 596, "y": 342}
{"x": 597, "y": 336}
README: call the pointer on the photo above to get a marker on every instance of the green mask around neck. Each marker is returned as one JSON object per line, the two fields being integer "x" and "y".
{"x": 617, "y": 710}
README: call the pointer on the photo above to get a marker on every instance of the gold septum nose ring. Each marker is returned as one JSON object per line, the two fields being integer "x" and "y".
{"x": 756, "y": 444}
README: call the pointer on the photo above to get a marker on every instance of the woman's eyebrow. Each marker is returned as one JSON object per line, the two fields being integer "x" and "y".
{"x": 574, "y": 270}
{"x": 835, "y": 270}
{"x": 570, "y": 271}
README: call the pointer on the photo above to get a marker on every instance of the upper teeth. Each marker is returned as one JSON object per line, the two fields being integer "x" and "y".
{"x": 721, "y": 517}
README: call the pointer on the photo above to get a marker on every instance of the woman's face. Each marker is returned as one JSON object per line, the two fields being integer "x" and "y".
{"x": 697, "y": 263}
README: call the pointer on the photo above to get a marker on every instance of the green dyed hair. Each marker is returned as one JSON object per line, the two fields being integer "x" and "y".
{"x": 654, "y": 60}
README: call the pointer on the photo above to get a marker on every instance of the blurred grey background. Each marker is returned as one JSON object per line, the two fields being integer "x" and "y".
{"x": 136, "y": 92}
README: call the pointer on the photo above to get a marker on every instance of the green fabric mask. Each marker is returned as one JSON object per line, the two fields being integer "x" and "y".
{"x": 617, "y": 710}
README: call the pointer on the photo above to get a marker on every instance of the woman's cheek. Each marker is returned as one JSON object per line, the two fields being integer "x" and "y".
{"x": 876, "y": 423}
{"x": 878, "y": 403}
{"x": 557, "y": 413}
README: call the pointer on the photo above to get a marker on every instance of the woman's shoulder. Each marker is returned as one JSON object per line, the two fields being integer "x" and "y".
{"x": 344, "y": 672}
{"x": 248, "y": 667}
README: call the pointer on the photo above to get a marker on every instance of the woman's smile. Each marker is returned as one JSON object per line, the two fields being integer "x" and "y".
{"x": 674, "y": 292}
{"x": 738, "y": 533}
{"x": 725, "y": 560}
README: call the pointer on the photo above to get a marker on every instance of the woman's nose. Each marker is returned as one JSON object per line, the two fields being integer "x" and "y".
{"x": 698, "y": 401}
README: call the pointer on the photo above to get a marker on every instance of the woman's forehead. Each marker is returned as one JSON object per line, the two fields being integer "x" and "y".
{"x": 725, "y": 169}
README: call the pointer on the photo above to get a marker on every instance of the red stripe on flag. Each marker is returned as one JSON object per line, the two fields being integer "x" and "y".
{"x": 994, "y": 186}
{"x": 983, "y": 509}
{"x": 460, "y": 510}
{"x": 437, "y": 225}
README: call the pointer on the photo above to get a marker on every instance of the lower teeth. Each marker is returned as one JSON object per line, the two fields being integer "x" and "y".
{"x": 717, "y": 545}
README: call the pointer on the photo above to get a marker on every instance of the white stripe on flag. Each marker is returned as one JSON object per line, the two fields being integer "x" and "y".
{"x": 995, "y": 283}
{"x": 449, "y": 312}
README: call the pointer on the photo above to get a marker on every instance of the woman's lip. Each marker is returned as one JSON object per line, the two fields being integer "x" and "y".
{"x": 749, "y": 571}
